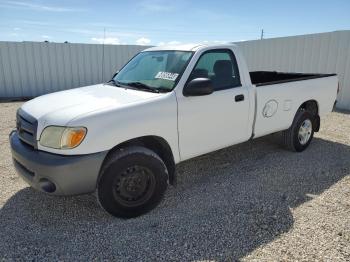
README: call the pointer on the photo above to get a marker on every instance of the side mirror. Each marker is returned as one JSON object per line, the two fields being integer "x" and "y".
{"x": 198, "y": 87}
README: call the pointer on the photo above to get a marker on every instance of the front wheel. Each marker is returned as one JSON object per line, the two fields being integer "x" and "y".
{"x": 298, "y": 137}
{"x": 132, "y": 182}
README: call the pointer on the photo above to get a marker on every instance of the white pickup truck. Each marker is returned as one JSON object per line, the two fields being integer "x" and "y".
{"x": 123, "y": 138}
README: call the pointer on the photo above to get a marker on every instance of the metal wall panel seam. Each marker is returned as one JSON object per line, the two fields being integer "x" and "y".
{"x": 2, "y": 73}
{"x": 346, "y": 87}
{"x": 10, "y": 70}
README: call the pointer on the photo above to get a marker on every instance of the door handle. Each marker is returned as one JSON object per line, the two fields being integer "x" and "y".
{"x": 239, "y": 98}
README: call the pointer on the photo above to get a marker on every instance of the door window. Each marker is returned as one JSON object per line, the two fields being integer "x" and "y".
{"x": 220, "y": 66}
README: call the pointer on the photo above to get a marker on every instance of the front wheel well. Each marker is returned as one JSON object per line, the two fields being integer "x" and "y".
{"x": 158, "y": 145}
{"x": 312, "y": 107}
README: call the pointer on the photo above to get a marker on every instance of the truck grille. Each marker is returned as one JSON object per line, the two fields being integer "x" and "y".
{"x": 26, "y": 127}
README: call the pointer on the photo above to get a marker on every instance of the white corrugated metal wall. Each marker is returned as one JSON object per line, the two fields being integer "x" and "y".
{"x": 315, "y": 53}
{"x": 29, "y": 69}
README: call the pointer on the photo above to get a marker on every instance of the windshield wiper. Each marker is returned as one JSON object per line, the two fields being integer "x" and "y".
{"x": 163, "y": 89}
{"x": 141, "y": 86}
{"x": 115, "y": 83}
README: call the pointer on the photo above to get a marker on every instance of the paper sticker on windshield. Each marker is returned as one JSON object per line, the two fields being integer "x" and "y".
{"x": 166, "y": 76}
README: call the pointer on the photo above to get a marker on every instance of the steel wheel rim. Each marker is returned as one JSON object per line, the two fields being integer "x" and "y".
{"x": 305, "y": 132}
{"x": 134, "y": 186}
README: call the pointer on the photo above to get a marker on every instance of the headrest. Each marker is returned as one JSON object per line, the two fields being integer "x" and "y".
{"x": 223, "y": 67}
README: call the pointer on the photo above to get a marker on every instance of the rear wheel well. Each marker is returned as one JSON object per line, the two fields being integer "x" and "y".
{"x": 312, "y": 107}
{"x": 158, "y": 145}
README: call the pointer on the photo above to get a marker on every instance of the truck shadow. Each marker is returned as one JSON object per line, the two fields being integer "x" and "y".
{"x": 226, "y": 204}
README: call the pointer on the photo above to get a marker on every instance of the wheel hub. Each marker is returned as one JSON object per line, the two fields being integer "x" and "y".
{"x": 134, "y": 185}
{"x": 305, "y": 131}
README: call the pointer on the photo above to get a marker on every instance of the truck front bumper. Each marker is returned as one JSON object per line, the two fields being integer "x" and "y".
{"x": 56, "y": 174}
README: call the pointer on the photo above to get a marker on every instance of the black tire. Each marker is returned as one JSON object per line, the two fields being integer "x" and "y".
{"x": 132, "y": 182}
{"x": 290, "y": 137}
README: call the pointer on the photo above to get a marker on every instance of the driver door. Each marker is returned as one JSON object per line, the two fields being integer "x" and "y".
{"x": 207, "y": 123}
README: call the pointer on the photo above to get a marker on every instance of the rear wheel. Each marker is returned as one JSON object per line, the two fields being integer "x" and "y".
{"x": 132, "y": 182}
{"x": 299, "y": 135}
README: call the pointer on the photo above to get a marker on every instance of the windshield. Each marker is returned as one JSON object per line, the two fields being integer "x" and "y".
{"x": 154, "y": 70}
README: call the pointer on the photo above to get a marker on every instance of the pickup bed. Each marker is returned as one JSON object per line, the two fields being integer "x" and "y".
{"x": 124, "y": 138}
{"x": 263, "y": 78}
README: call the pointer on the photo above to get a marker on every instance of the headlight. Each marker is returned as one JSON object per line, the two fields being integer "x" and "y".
{"x": 60, "y": 137}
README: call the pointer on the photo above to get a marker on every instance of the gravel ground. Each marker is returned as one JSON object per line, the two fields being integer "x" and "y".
{"x": 254, "y": 201}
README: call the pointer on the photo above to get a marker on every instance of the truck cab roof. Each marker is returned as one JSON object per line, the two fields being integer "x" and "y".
{"x": 187, "y": 47}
